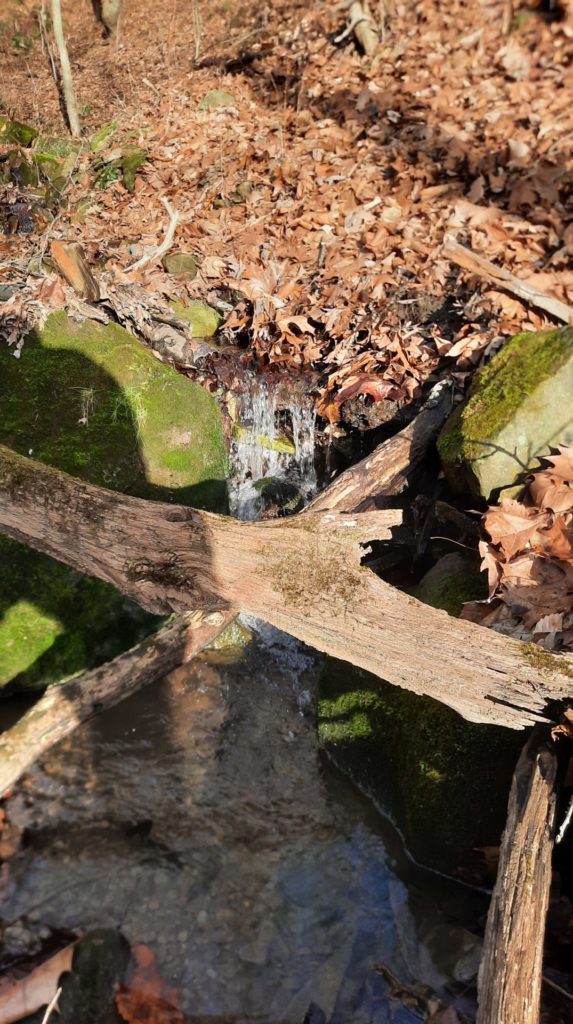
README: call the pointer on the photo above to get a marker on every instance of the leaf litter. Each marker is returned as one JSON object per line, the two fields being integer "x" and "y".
{"x": 316, "y": 192}
{"x": 529, "y": 560}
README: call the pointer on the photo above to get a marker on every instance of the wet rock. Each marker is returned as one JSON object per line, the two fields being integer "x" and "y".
{"x": 279, "y": 495}
{"x": 284, "y": 445}
{"x": 203, "y": 319}
{"x": 180, "y": 264}
{"x": 93, "y": 402}
{"x": 443, "y": 779}
{"x": 518, "y": 408}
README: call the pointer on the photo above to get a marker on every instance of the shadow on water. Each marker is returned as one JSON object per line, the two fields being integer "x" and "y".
{"x": 199, "y": 817}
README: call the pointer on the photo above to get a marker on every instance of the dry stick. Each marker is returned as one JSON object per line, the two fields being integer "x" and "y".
{"x": 51, "y": 1007}
{"x": 166, "y": 243}
{"x": 468, "y": 260}
{"x": 67, "y": 82}
{"x": 66, "y": 705}
{"x": 510, "y": 976}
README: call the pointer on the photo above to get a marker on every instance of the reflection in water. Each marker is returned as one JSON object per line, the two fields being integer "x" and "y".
{"x": 198, "y": 817}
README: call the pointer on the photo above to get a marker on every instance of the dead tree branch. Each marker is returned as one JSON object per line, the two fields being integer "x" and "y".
{"x": 303, "y": 575}
{"x": 67, "y": 80}
{"x": 387, "y": 471}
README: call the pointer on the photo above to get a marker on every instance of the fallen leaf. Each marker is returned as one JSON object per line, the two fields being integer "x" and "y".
{"x": 37, "y": 989}
{"x": 145, "y": 998}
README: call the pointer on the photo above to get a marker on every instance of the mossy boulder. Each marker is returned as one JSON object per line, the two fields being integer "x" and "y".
{"x": 203, "y": 319}
{"x": 518, "y": 407}
{"x": 92, "y": 401}
{"x": 444, "y": 781}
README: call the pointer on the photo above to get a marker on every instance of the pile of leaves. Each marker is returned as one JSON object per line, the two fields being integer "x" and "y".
{"x": 314, "y": 186}
{"x": 529, "y": 560}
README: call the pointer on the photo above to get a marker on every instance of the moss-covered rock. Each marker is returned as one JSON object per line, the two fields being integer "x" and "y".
{"x": 519, "y": 406}
{"x": 14, "y": 131}
{"x": 204, "y": 320}
{"x": 445, "y": 781}
{"x": 92, "y": 401}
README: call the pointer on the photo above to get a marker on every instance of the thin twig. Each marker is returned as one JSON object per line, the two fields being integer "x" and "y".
{"x": 51, "y": 1007}
{"x": 160, "y": 250}
{"x": 67, "y": 81}
{"x": 558, "y": 988}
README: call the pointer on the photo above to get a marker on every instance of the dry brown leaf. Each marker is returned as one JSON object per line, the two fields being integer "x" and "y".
{"x": 511, "y": 525}
{"x": 145, "y": 998}
{"x": 37, "y": 989}
{"x": 556, "y": 540}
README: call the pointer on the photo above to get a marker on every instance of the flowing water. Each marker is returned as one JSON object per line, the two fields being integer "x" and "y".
{"x": 274, "y": 440}
{"x": 200, "y": 818}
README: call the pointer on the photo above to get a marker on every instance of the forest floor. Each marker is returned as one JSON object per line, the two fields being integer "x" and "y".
{"x": 318, "y": 199}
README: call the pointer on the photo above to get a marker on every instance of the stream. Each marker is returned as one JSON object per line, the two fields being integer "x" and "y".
{"x": 201, "y": 818}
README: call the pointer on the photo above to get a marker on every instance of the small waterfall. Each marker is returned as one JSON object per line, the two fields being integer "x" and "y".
{"x": 273, "y": 441}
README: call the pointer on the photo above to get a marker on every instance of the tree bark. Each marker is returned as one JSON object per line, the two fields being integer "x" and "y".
{"x": 301, "y": 574}
{"x": 510, "y": 976}
{"x": 67, "y": 80}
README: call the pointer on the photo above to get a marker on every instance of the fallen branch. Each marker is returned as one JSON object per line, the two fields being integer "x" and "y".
{"x": 302, "y": 574}
{"x": 509, "y": 987}
{"x": 66, "y": 705}
{"x": 160, "y": 250}
{"x": 67, "y": 81}
{"x": 468, "y": 260}
{"x": 387, "y": 470}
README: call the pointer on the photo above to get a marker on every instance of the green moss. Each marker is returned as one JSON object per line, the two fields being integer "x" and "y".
{"x": 452, "y": 592}
{"x": 54, "y": 622}
{"x": 499, "y": 390}
{"x": 443, "y": 779}
{"x": 204, "y": 319}
{"x": 545, "y": 662}
{"x": 93, "y": 402}
{"x": 14, "y": 131}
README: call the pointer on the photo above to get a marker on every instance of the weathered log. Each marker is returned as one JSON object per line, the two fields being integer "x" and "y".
{"x": 387, "y": 471}
{"x": 509, "y": 987}
{"x": 301, "y": 574}
{"x": 66, "y": 705}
